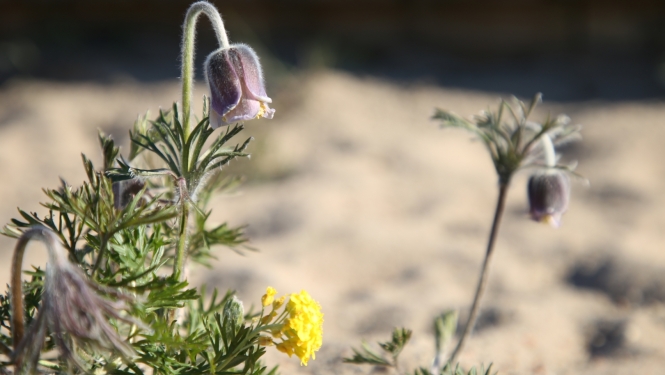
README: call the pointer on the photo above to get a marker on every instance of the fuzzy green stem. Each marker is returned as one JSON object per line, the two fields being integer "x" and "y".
{"x": 484, "y": 272}
{"x": 181, "y": 250}
{"x": 188, "y": 40}
{"x": 183, "y": 232}
{"x": 188, "y": 53}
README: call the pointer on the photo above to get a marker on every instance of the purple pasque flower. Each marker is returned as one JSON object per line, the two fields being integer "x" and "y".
{"x": 549, "y": 194}
{"x": 72, "y": 307}
{"x": 237, "y": 91}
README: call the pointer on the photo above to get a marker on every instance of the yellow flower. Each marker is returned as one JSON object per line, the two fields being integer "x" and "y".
{"x": 303, "y": 328}
{"x": 276, "y": 333}
{"x": 278, "y": 302}
{"x": 285, "y": 347}
{"x": 269, "y": 296}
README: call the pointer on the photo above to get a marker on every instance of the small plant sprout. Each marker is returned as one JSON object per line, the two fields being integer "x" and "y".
{"x": 514, "y": 142}
{"x": 392, "y": 349}
{"x": 444, "y": 331}
{"x": 389, "y": 357}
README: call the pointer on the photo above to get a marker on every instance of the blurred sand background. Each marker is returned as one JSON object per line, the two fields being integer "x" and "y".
{"x": 355, "y": 195}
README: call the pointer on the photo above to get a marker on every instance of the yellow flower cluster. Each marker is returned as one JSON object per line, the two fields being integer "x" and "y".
{"x": 302, "y": 329}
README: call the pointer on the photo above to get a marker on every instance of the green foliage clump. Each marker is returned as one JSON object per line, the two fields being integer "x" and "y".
{"x": 129, "y": 245}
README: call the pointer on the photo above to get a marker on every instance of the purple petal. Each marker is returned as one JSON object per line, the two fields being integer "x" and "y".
{"x": 224, "y": 83}
{"x": 245, "y": 110}
{"x": 251, "y": 75}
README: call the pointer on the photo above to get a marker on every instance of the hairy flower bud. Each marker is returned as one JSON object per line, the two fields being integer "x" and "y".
{"x": 234, "y": 313}
{"x": 549, "y": 193}
{"x": 237, "y": 91}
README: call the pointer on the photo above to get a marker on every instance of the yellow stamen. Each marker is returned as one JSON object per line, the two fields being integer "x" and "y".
{"x": 548, "y": 219}
{"x": 262, "y": 110}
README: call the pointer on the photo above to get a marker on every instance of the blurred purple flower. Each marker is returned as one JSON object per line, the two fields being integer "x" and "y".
{"x": 124, "y": 192}
{"x": 549, "y": 193}
{"x": 237, "y": 91}
{"x": 71, "y": 307}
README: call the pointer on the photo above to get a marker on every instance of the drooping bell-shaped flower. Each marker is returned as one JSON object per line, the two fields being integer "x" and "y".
{"x": 71, "y": 308}
{"x": 549, "y": 193}
{"x": 237, "y": 91}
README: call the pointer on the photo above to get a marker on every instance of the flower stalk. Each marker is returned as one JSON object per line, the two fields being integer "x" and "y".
{"x": 18, "y": 317}
{"x": 188, "y": 41}
{"x": 484, "y": 271}
{"x": 237, "y": 93}
{"x": 181, "y": 249}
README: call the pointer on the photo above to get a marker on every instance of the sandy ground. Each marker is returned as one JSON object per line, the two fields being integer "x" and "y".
{"x": 355, "y": 195}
